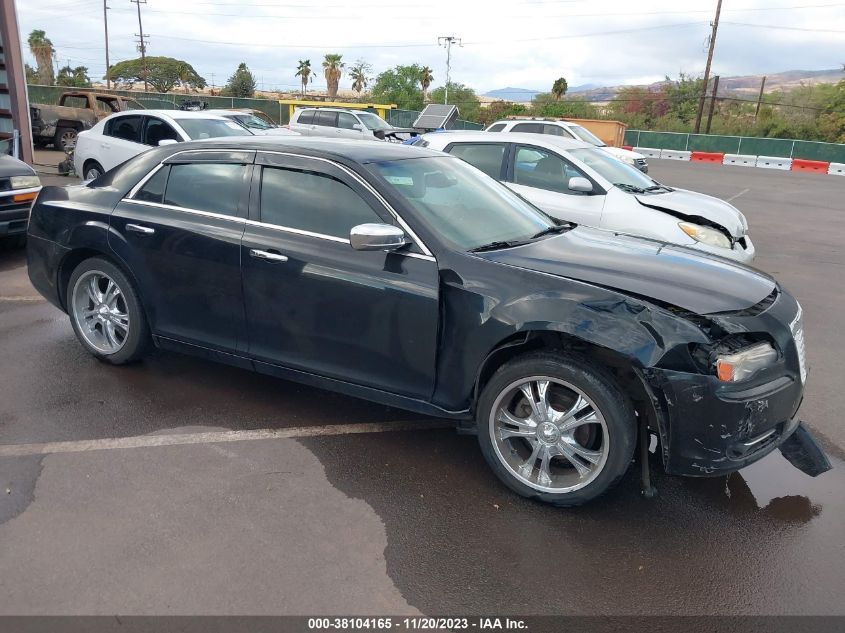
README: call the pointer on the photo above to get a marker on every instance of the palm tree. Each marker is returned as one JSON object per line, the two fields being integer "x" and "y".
{"x": 559, "y": 88}
{"x": 42, "y": 49}
{"x": 358, "y": 75}
{"x": 333, "y": 69}
{"x": 426, "y": 77}
{"x": 303, "y": 71}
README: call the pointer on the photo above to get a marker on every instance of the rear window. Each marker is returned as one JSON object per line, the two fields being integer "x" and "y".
{"x": 212, "y": 187}
{"x": 533, "y": 128}
{"x": 198, "y": 129}
{"x": 497, "y": 128}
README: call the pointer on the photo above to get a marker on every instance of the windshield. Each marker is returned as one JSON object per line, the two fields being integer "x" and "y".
{"x": 612, "y": 169}
{"x": 462, "y": 205}
{"x": 250, "y": 120}
{"x": 585, "y": 135}
{"x": 374, "y": 122}
{"x": 198, "y": 129}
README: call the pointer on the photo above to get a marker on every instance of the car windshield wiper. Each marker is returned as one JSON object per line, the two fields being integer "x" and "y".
{"x": 659, "y": 187}
{"x": 494, "y": 246}
{"x": 624, "y": 186}
{"x": 558, "y": 228}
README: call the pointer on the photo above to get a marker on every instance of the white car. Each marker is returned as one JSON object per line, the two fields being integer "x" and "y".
{"x": 253, "y": 123}
{"x": 567, "y": 129}
{"x": 340, "y": 123}
{"x": 577, "y": 182}
{"x": 120, "y": 136}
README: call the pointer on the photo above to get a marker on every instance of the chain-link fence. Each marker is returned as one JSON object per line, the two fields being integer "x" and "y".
{"x": 754, "y": 146}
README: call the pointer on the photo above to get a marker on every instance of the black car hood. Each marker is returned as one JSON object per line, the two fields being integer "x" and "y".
{"x": 10, "y": 166}
{"x": 666, "y": 273}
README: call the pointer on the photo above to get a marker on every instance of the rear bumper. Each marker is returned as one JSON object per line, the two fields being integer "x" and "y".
{"x": 712, "y": 428}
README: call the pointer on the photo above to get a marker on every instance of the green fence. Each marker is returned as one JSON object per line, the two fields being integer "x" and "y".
{"x": 784, "y": 148}
{"x": 172, "y": 100}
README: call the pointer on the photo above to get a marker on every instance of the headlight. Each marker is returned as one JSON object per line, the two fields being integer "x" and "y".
{"x": 24, "y": 182}
{"x": 745, "y": 363}
{"x": 705, "y": 235}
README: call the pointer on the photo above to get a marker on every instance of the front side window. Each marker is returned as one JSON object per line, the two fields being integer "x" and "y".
{"x": 485, "y": 156}
{"x": 374, "y": 122}
{"x": 555, "y": 130}
{"x": 539, "y": 168}
{"x": 198, "y": 129}
{"x": 212, "y": 187}
{"x": 346, "y": 121}
{"x": 153, "y": 189}
{"x": 313, "y": 202}
{"x": 156, "y": 130}
{"x": 612, "y": 169}
{"x": 127, "y": 128}
{"x": 585, "y": 135}
{"x": 464, "y": 207}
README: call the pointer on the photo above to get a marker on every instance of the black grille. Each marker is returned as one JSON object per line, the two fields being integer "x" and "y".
{"x": 5, "y": 185}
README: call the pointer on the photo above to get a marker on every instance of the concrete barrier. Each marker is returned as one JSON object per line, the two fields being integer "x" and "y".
{"x": 743, "y": 160}
{"x": 648, "y": 152}
{"x": 817, "y": 166}
{"x": 774, "y": 162}
{"x": 674, "y": 154}
{"x": 707, "y": 157}
{"x": 836, "y": 169}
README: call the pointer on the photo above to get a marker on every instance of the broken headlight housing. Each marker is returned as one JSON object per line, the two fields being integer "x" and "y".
{"x": 744, "y": 363}
{"x": 24, "y": 182}
{"x": 705, "y": 234}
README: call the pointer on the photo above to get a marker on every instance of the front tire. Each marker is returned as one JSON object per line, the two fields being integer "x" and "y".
{"x": 556, "y": 427}
{"x": 106, "y": 313}
{"x": 92, "y": 170}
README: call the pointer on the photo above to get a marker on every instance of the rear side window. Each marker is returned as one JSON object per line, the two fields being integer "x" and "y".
{"x": 153, "y": 189}
{"x": 326, "y": 118}
{"x": 485, "y": 156}
{"x": 212, "y": 187}
{"x": 306, "y": 117}
{"x": 533, "y": 128}
{"x": 312, "y": 202}
{"x": 497, "y": 128}
{"x": 127, "y": 128}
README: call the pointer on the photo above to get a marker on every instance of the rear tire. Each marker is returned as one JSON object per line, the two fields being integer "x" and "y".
{"x": 64, "y": 136}
{"x": 106, "y": 313}
{"x": 556, "y": 427}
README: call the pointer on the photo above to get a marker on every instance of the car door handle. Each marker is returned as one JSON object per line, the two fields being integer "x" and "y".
{"x": 269, "y": 256}
{"x": 137, "y": 228}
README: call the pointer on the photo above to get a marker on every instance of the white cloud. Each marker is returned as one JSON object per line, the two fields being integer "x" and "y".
{"x": 605, "y": 42}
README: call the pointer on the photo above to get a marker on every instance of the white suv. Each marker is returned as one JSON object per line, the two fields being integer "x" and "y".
{"x": 339, "y": 123}
{"x": 567, "y": 129}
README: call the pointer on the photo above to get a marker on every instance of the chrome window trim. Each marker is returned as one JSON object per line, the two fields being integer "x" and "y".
{"x": 426, "y": 253}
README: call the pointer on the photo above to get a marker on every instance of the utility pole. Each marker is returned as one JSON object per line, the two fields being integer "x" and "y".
{"x": 447, "y": 42}
{"x": 106, "y": 24}
{"x": 712, "y": 103}
{"x": 142, "y": 44}
{"x": 715, "y": 25}
{"x": 760, "y": 98}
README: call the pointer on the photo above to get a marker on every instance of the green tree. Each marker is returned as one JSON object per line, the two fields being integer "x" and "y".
{"x": 303, "y": 71}
{"x": 31, "y": 74}
{"x": 163, "y": 73}
{"x": 359, "y": 74}
{"x": 559, "y": 88}
{"x": 501, "y": 110}
{"x": 461, "y": 96}
{"x": 74, "y": 77}
{"x": 332, "y": 70}
{"x": 426, "y": 77}
{"x": 241, "y": 83}
{"x": 42, "y": 49}
{"x": 682, "y": 97}
{"x": 399, "y": 85}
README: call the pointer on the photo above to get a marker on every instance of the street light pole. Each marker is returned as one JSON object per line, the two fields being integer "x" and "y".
{"x": 447, "y": 41}
{"x": 106, "y": 25}
{"x": 142, "y": 44}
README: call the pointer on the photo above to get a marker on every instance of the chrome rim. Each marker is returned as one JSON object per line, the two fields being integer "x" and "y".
{"x": 92, "y": 173}
{"x": 100, "y": 311}
{"x": 67, "y": 138}
{"x": 549, "y": 434}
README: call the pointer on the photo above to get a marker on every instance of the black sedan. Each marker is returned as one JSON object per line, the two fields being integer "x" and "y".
{"x": 410, "y": 278}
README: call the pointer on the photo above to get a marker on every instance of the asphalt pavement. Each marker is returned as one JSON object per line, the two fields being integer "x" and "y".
{"x": 177, "y": 486}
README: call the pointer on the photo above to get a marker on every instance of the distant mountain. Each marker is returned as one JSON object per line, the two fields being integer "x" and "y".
{"x": 582, "y": 88}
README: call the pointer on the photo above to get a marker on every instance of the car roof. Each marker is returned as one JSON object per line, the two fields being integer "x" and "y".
{"x": 173, "y": 114}
{"x": 359, "y": 151}
{"x": 330, "y": 108}
{"x": 536, "y": 120}
{"x": 555, "y": 142}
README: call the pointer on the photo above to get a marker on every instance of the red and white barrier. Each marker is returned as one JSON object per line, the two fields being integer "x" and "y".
{"x": 674, "y": 154}
{"x": 836, "y": 169}
{"x": 707, "y": 157}
{"x": 742, "y": 160}
{"x": 774, "y": 162}
{"x": 818, "y": 166}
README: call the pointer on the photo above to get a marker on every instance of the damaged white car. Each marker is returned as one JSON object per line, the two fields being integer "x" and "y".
{"x": 576, "y": 182}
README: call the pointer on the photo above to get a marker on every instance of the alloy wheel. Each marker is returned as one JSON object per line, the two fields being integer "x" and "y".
{"x": 100, "y": 311}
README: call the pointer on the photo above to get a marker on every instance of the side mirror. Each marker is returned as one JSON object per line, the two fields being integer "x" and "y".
{"x": 376, "y": 237}
{"x": 167, "y": 141}
{"x": 358, "y": 126}
{"x": 581, "y": 184}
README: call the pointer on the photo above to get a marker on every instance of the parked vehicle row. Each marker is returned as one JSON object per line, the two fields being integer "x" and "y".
{"x": 407, "y": 276}
{"x": 577, "y": 182}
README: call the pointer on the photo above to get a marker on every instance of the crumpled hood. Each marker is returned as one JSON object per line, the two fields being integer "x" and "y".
{"x": 671, "y": 274}
{"x": 691, "y": 204}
